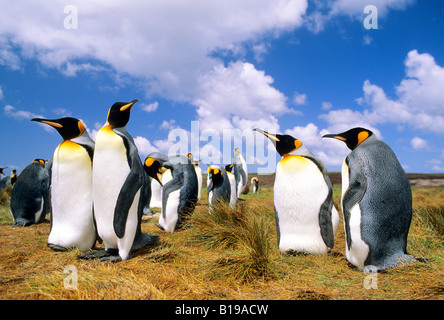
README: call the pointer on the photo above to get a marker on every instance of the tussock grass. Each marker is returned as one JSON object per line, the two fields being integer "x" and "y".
{"x": 243, "y": 236}
{"x": 228, "y": 254}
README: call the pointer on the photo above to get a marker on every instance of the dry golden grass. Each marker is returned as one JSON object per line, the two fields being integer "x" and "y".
{"x": 229, "y": 255}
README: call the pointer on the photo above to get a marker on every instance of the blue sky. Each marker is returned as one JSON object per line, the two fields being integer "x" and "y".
{"x": 207, "y": 72}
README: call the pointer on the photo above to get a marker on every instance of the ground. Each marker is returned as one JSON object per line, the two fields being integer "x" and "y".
{"x": 229, "y": 255}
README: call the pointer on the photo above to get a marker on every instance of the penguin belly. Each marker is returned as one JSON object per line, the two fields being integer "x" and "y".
{"x": 299, "y": 192}
{"x": 156, "y": 194}
{"x": 358, "y": 251}
{"x": 169, "y": 215}
{"x": 233, "y": 197}
{"x": 71, "y": 198}
{"x": 110, "y": 170}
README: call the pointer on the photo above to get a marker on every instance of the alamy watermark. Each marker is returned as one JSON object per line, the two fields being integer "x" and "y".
{"x": 70, "y": 281}
{"x": 71, "y": 20}
{"x": 371, "y": 21}
{"x": 216, "y": 147}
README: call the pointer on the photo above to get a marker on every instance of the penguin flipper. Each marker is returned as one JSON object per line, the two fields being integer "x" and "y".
{"x": 124, "y": 201}
{"x": 325, "y": 221}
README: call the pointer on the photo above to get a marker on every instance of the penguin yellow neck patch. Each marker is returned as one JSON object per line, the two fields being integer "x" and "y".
{"x": 293, "y": 162}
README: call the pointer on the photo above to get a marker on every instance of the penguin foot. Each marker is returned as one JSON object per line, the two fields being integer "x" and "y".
{"x": 56, "y": 247}
{"x": 98, "y": 254}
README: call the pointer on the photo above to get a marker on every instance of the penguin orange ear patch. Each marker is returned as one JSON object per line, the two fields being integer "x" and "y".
{"x": 297, "y": 143}
{"x": 362, "y": 136}
{"x": 149, "y": 162}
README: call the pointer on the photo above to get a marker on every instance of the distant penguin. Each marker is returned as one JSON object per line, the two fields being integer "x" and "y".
{"x": 198, "y": 175}
{"x": 240, "y": 172}
{"x": 232, "y": 180}
{"x": 255, "y": 184}
{"x": 218, "y": 185}
{"x": 14, "y": 176}
{"x": 72, "y": 222}
{"x": 306, "y": 219}
{"x": 30, "y": 198}
{"x": 376, "y": 202}
{"x": 120, "y": 190}
{"x": 179, "y": 195}
{"x": 4, "y": 180}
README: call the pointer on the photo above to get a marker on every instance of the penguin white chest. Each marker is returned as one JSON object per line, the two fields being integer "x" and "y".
{"x": 299, "y": 192}
{"x": 71, "y": 197}
{"x": 358, "y": 251}
{"x": 110, "y": 170}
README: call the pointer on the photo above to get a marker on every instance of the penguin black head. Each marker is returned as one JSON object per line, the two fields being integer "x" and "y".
{"x": 153, "y": 168}
{"x": 229, "y": 167}
{"x": 119, "y": 113}
{"x": 284, "y": 143}
{"x": 69, "y": 128}
{"x": 41, "y": 161}
{"x": 352, "y": 137}
{"x": 1, "y": 170}
{"x": 215, "y": 175}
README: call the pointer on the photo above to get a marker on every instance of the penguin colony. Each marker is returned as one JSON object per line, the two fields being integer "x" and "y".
{"x": 99, "y": 191}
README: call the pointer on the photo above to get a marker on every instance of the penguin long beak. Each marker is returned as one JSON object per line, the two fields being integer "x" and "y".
{"x": 128, "y": 105}
{"x": 52, "y": 123}
{"x": 334, "y": 136}
{"x": 268, "y": 135}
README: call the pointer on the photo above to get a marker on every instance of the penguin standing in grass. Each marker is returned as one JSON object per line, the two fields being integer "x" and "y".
{"x": 72, "y": 222}
{"x": 30, "y": 198}
{"x": 306, "y": 219}
{"x": 4, "y": 180}
{"x": 376, "y": 203}
{"x": 218, "y": 185}
{"x": 120, "y": 191}
{"x": 232, "y": 179}
{"x": 254, "y": 185}
{"x": 179, "y": 195}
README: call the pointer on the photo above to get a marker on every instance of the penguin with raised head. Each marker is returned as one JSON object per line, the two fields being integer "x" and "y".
{"x": 30, "y": 198}
{"x": 376, "y": 202}
{"x": 232, "y": 180}
{"x": 254, "y": 184}
{"x": 240, "y": 172}
{"x": 179, "y": 195}
{"x": 198, "y": 175}
{"x": 218, "y": 185}
{"x": 120, "y": 191}
{"x": 72, "y": 221}
{"x": 306, "y": 219}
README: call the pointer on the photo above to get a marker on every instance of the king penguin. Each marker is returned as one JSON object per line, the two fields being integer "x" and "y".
{"x": 30, "y": 198}
{"x": 14, "y": 176}
{"x": 4, "y": 180}
{"x": 232, "y": 180}
{"x": 120, "y": 191}
{"x": 72, "y": 221}
{"x": 198, "y": 175}
{"x": 240, "y": 171}
{"x": 306, "y": 219}
{"x": 376, "y": 202}
{"x": 254, "y": 185}
{"x": 179, "y": 195}
{"x": 218, "y": 185}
